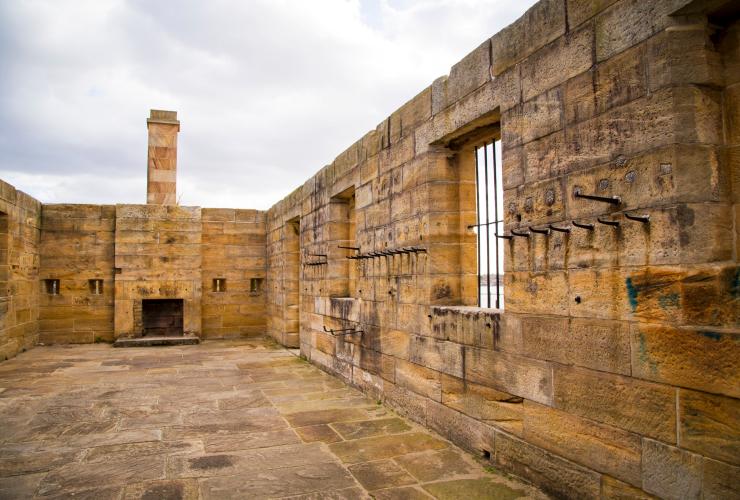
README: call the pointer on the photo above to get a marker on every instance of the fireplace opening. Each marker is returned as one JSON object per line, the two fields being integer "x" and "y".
{"x": 162, "y": 317}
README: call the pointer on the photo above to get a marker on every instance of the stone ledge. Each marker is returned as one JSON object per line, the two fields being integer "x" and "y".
{"x": 156, "y": 341}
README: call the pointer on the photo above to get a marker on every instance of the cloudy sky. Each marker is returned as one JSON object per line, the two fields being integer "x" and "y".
{"x": 267, "y": 91}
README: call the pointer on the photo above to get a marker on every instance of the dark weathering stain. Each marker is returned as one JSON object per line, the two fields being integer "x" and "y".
{"x": 632, "y": 294}
{"x": 712, "y": 335}
{"x": 685, "y": 220}
{"x": 442, "y": 291}
{"x": 211, "y": 462}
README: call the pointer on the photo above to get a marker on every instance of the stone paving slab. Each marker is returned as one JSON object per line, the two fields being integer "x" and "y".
{"x": 223, "y": 419}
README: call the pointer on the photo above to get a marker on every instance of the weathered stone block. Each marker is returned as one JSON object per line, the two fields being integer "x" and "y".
{"x": 536, "y": 293}
{"x": 579, "y": 98}
{"x": 517, "y": 375}
{"x": 468, "y": 74}
{"x": 683, "y": 55}
{"x": 582, "y": 10}
{"x": 468, "y": 433}
{"x": 629, "y": 22}
{"x": 553, "y": 474}
{"x": 655, "y": 120}
{"x": 686, "y": 357}
{"x": 597, "y": 344}
{"x": 541, "y": 24}
{"x": 635, "y": 406}
{"x": 500, "y": 409}
{"x": 621, "y": 79}
{"x": 670, "y": 472}
{"x": 720, "y": 480}
{"x": 708, "y": 425}
{"x": 596, "y": 446}
{"x": 534, "y": 203}
{"x": 568, "y": 56}
{"x": 533, "y": 119}
{"x": 419, "y": 379}
{"x": 441, "y": 356}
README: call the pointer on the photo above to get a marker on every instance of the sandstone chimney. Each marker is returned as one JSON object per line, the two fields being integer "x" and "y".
{"x": 161, "y": 185}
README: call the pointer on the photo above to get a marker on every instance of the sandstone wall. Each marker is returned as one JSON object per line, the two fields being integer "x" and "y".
{"x": 77, "y": 245}
{"x": 233, "y": 248}
{"x": 157, "y": 256}
{"x": 20, "y": 222}
{"x": 149, "y": 252}
{"x": 614, "y": 370}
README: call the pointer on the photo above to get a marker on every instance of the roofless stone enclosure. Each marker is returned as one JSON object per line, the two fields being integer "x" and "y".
{"x": 614, "y": 368}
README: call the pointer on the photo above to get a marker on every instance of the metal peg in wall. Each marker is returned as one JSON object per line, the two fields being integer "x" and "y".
{"x": 525, "y": 234}
{"x": 639, "y": 218}
{"x": 565, "y": 229}
{"x": 612, "y": 223}
{"x": 540, "y": 231}
{"x": 614, "y": 200}
{"x": 589, "y": 227}
{"x": 503, "y": 236}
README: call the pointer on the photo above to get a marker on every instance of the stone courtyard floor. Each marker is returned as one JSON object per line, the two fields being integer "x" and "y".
{"x": 224, "y": 419}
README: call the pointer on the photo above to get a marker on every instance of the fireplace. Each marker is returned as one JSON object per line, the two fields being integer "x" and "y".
{"x": 162, "y": 317}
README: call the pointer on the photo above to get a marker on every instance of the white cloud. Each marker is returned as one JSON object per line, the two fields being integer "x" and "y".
{"x": 268, "y": 91}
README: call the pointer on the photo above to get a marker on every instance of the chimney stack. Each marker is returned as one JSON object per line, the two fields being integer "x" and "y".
{"x": 161, "y": 179}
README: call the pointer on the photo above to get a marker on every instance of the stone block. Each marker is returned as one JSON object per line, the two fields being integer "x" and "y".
{"x": 598, "y": 294}
{"x": 555, "y": 475}
{"x": 419, "y": 379}
{"x": 580, "y": 11}
{"x": 639, "y": 407}
{"x": 630, "y": 22}
{"x": 441, "y": 356}
{"x": 405, "y": 402}
{"x": 512, "y": 167}
{"x": 568, "y": 56}
{"x": 596, "y": 344}
{"x": 720, "y": 480}
{"x": 536, "y": 293}
{"x": 701, "y": 296}
{"x": 655, "y": 120}
{"x": 533, "y": 119}
{"x": 670, "y": 472}
{"x": 472, "y": 435}
{"x": 687, "y": 357}
{"x": 499, "y": 409}
{"x": 517, "y": 375}
{"x": 729, "y": 47}
{"x": 600, "y": 447}
{"x": 614, "y": 488}
{"x": 675, "y": 174}
{"x": 731, "y": 110}
{"x": 540, "y": 25}
{"x": 396, "y": 155}
{"x": 546, "y": 157}
{"x": 475, "y": 110}
{"x": 621, "y": 79}
{"x": 708, "y": 425}
{"x": 535, "y": 203}
{"x": 416, "y": 111}
{"x": 579, "y": 98}
{"x": 683, "y": 55}
{"x": 468, "y": 74}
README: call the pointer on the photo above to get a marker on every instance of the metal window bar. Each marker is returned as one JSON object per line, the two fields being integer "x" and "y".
{"x": 489, "y": 201}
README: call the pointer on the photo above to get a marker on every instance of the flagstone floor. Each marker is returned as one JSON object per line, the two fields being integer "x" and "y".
{"x": 224, "y": 419}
